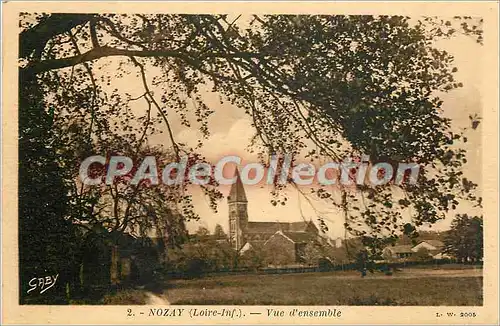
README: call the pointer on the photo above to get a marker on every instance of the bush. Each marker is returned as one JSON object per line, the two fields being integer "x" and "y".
{"x": 198, "y": 258}
{"x": 422, "y": 255}
{"x": 252, "y": 259}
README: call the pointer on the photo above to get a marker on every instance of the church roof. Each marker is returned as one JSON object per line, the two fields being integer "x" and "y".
{"x": 237, "y": 193}
{"x": 298, "y": 226}
{"x": 299, "y": 237}
{"x": 272, "y": 227}
{"x": 295, "y": 237}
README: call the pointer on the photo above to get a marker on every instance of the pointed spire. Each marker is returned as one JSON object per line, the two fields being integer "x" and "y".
{"x": 237, "y": 193}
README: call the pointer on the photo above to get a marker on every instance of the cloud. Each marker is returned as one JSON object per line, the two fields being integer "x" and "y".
{"x": 231, "y": 141}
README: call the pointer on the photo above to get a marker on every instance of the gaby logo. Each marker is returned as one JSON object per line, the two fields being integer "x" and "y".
{"x": 280, "y": 170}
{"x": 42, "y": 283}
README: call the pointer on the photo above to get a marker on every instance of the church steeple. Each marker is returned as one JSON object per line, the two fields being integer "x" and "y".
{"x": 237, "y": 193}
{"x": 238, "y": 214}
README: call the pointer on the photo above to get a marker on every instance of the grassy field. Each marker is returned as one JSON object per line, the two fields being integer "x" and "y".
{"x": 409, "y": 287}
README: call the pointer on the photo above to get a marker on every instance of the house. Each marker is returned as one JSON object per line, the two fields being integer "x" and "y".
{"x": 244, "y": 234}
{"x": 290, "y": 246}
{"x": 434, "y": 247}
{"x": 398, "y": 252}
{"x": 431, "y": 245}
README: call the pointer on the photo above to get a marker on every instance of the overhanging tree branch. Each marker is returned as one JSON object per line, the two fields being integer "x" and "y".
{"x": 35, "y": 38}
{"x": 105, "y": 51}
{"x": 152, "y": 100}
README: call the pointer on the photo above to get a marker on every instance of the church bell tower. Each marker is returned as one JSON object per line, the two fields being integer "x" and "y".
{"x": 238, "y": 215}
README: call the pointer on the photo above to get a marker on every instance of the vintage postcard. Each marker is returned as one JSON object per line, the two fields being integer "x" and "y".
{"x": 250, "y": 163}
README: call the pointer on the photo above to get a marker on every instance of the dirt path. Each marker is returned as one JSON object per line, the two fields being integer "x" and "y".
{"x": 156, "y": 300}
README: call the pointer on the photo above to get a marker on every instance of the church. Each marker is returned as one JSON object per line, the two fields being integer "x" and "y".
{"x": 245, "y": 234}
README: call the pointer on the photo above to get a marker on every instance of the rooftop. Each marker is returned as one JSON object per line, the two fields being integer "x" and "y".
{"x": 401, "y": 249}
{"x": 434, "y": 243}
{"x": 272, "y": 227}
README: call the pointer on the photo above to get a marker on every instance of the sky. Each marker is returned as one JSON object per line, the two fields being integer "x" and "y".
{"x": 231, "y": 131}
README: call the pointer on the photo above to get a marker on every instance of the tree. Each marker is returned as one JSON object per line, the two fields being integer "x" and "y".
{"x": 219, "y": 232}
{"x": 58, "y": 213}
{"x": 321, "y": 86}
{"x": 422, "y": 254}
{"x": 253, "y": 258}
{"x": 202, "y": 231}
{"x": 191, "y": 260}
{"x": 278, "y": 254}
{"x": 312, "y": 253}
{"x": 129, "y": 206}
{"x": 135, "y": 206}
{"x": 195, "y": 258}
{"x": 48, "y": 242}
{"x": 363, "y": 262}
{"x": 464, "y": 241}
{"x": 350, "y": 250}
{"x": 223, "y": 255}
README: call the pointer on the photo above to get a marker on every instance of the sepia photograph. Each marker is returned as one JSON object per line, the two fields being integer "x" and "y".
{"x": 313, "y": 160}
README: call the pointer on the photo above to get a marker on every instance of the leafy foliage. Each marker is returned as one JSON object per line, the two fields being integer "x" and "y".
{"x": 312, "y": 253}
{"x": 219, "y": 232}
{"x": 322, "y": 87}
{"x": 253, "y": 258}
{"x": 201, "y": 255}
{"x": 279, "y": 253}
{"x": 465, "y": 239}
{"x": 422, "y": 254}
{"x": 48, "y": 243}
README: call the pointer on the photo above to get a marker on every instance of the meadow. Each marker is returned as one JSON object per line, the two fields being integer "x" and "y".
{"x": 422, "y": 287}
